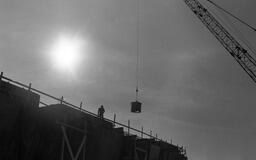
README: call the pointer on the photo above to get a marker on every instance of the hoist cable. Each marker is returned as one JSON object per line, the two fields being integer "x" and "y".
{"x": 137, "y": 49}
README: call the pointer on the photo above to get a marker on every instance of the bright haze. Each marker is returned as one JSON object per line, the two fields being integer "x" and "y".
{"x": 192, "y": 91}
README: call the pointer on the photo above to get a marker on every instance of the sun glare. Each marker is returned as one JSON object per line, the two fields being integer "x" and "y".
{"x": 67, "y": 52}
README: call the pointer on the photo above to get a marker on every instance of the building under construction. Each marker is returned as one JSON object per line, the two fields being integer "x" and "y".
{"x": 66, "y": 132}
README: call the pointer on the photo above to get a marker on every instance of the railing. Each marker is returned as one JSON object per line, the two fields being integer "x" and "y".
{"x": 61, "y": 100}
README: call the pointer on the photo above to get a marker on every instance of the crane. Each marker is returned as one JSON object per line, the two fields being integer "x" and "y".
{"x": 241, "y": 55}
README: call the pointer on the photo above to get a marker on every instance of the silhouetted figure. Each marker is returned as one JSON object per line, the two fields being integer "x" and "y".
{"x": 101, "y": 111}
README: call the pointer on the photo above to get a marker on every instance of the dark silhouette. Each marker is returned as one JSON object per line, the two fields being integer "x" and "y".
{"x": 101, "y": 111}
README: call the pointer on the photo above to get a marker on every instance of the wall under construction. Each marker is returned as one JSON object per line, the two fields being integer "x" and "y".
{"x": 59, "y": 132}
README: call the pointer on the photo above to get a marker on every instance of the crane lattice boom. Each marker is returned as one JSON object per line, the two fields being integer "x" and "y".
{"x": 240, "y": 54}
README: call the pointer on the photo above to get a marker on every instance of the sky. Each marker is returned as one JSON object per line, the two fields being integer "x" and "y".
{"x": 192, "y": 91}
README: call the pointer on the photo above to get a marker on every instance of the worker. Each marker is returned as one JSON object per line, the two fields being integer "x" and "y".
{"x": 101, "y": 111}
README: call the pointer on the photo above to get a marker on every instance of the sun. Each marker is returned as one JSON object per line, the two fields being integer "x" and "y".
{"x": 66, "y": 52}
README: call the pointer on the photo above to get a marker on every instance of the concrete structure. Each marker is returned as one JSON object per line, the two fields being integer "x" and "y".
{"x": 60, "y": 132}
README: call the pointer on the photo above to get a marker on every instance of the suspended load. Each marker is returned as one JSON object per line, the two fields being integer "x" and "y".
{"x": 136, "y": 107}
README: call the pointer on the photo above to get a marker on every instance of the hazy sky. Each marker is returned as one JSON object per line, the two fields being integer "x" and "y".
{"x": 192, "y": 90}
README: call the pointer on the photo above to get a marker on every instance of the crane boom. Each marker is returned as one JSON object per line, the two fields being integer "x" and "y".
{"x": 241, "y": 55}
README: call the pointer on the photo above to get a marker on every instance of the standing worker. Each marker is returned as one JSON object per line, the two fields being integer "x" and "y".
{"x": 101, "y": 111}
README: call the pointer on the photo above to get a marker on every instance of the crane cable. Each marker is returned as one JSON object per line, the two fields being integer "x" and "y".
{"x": 137, "y": 49}
{"x": 235, "y": 17}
